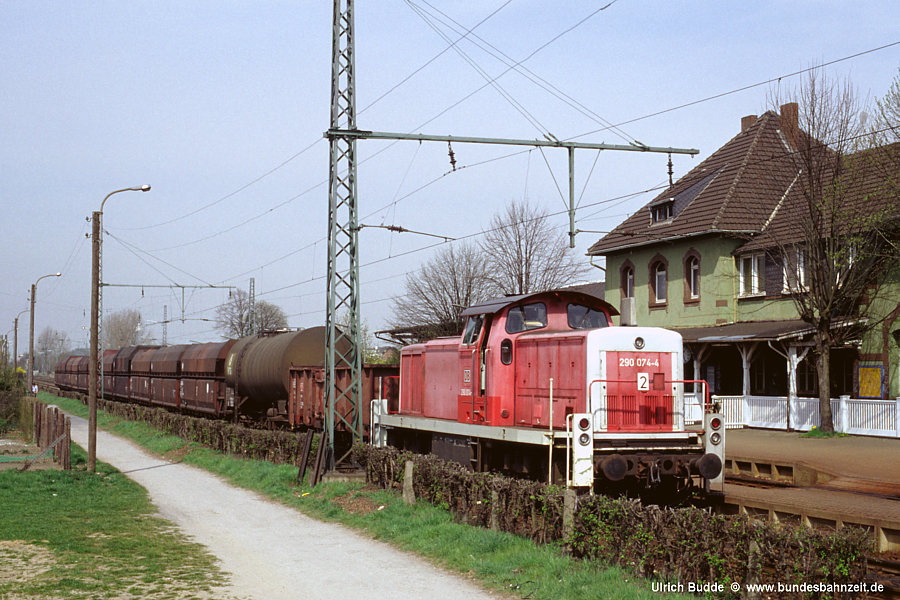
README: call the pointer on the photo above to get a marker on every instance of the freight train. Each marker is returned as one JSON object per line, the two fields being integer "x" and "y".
{"x": 540, "y": 385}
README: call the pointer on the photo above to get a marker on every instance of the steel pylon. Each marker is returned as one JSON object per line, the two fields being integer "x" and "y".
{"x": 343, "y": 395}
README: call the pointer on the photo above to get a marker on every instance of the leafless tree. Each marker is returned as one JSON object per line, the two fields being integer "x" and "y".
{"x": 233, "y": 317}
{"x": 452, "y": 280}
{"x": 833, "y": 232}
{"x": 525, "y": 254}
{"x": 51, "y": 346}
{"x": 124, "y": 328}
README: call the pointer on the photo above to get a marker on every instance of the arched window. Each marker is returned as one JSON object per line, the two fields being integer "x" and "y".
{"x": 691, "y": 276}
{"x": 659, "y": 278}
{"x": 627, "y": 275}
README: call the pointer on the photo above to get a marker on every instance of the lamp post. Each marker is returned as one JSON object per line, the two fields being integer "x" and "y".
{"x": 16, "y": 341}
{"x": 31, "y": 331}
{"x": 95, "y": 360}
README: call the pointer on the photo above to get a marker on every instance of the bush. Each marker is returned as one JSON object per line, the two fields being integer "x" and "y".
{"x": 671, "y": 544}
{"x": 11, "y": 390}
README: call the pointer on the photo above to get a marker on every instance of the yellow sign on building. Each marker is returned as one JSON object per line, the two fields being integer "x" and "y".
{"x": 870, "y": 382}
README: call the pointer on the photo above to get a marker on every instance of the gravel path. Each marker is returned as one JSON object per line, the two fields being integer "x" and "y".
{"x": 271, "y": 551}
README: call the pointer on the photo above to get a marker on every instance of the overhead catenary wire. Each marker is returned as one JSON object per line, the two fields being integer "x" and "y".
{"x": 537, "y": 79}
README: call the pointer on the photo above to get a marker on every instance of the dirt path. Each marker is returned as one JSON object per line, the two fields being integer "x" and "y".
{"x": 271, "y": 551}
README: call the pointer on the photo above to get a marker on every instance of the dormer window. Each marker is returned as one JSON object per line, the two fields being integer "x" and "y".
{"x": 662, "y": 211}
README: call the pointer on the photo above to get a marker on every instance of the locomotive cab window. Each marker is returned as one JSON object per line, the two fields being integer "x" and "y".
{"x": 583, "y": 317}
{"x": 473, "y": 328}
{"x": 526, "y": 318}
{"x": 506, "y": 351}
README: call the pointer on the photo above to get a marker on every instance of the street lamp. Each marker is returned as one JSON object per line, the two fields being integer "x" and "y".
{"x": 16, "y": 342}
{"x": 95, "y": 361}
{"x": 31, "y": 330}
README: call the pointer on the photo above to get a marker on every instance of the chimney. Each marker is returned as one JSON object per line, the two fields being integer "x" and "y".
{"x": 747, "y": 121}
{"x": 790, "y": 120}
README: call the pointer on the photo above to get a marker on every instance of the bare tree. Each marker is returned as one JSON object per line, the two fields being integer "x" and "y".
{"x": 834, "y": 231}
{"x": 524, "y": 254}
{"x": 51, "y": 345}
{"x": 124, "y": 328}
{"x": 452, "y": 280}
{"x": 233, "y": 317}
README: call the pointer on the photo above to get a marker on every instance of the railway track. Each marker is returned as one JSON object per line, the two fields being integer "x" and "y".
{"x": 886, "y": 572}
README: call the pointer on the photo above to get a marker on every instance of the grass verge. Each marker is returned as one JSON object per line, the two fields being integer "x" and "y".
{"x": 499, "y": 561}
{"x": 68, "y": 534}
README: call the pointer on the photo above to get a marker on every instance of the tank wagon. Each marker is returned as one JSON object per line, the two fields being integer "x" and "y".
{"x": 541, "y": 384}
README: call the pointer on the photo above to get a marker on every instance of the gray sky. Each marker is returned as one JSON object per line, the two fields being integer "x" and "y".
{"x": 221, "y": 107}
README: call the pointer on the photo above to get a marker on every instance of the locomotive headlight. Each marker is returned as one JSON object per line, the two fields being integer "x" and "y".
{"x": 715, "y": 438}
{"x": 584, "y": 439}
{"x": 584, "y": 423}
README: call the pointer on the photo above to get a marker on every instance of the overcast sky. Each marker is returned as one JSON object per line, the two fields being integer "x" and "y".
{"x": 221, "y": 108}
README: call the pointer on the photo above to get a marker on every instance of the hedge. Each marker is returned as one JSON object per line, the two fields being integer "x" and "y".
{"x": 668, "y": 544}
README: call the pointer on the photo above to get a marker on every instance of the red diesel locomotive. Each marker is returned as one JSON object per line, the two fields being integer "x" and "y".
{"x": 543, "y": 385}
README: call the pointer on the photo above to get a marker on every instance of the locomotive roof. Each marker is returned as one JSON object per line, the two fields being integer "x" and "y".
{"x": 497, "y": 304}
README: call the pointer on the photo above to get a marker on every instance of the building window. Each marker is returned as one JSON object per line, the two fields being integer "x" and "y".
{"x": 628, "y": 281}
{"x": 658, "y": 281}
{"x": 662, "y": 212}
{"x": 692, "y": 276}
{"x": 795, "y": 270}
{"x": 750, "y": 271}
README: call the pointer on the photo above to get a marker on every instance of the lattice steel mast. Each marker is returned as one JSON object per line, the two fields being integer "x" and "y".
{"x": 343, "y": 257}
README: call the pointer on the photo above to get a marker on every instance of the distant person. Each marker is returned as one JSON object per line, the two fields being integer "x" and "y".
{"x": 34, "y": 389}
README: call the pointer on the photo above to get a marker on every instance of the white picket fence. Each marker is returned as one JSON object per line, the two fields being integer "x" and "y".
{"x": 850, "y": 415}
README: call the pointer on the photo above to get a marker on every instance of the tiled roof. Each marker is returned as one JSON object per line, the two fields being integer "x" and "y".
{"x": 868, "y": 185}
{"x": 733, "y": 192}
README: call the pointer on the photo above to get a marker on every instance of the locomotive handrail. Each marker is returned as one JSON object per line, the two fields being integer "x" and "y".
{"x": 569, "y": 420}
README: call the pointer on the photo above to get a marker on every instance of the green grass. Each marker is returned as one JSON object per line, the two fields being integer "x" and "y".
{"x": 70, "y": 534}
{"x": 498, "y": 560}
{"x": 815, "y": 432}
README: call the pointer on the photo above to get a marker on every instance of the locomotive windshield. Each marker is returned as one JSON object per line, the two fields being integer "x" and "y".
{"x": 473, "y": 328}
{"x": 583, "y": 317}
{"x": 527, "y": 317}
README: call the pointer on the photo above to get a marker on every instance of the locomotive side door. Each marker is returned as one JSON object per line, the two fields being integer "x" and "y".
{"x": 470, "y": 369}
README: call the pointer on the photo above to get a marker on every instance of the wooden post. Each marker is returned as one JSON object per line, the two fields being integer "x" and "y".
{"x": 570, "y": 501}
{"x": 495, "y": 510}
{"x": 67, "y": 464}
{"x": 409, "y": 494}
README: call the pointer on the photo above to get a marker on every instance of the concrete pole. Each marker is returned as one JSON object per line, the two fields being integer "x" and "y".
{"x": 31, "y": 341}
{"x": 16, "y": 347}
{"x": 92, "y": 371}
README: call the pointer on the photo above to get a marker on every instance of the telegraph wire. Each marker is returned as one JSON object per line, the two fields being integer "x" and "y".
{"x": 520, "y": 108}
{"x": 540, "y": 81}
{"x": 740, "y": 89}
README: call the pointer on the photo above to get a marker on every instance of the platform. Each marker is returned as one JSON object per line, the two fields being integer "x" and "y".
{"x": 851, "y": 480}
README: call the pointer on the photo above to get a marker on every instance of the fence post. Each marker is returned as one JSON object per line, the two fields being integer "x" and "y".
{"x": 897, "y": 417}
{"x": 570, "y": 501}
{"x": 495, "y": 510}
{"x": 409, "y": 495}
{"x": 844, "y": 413}
{"x": 67, "y": 449}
